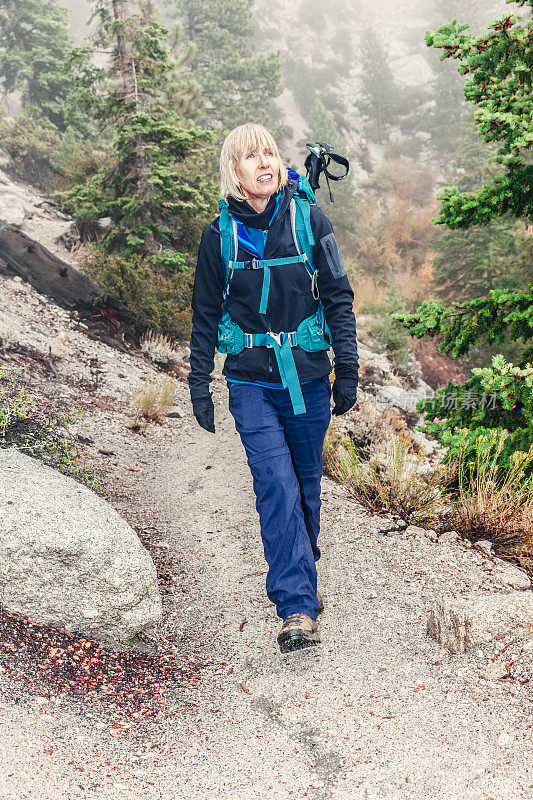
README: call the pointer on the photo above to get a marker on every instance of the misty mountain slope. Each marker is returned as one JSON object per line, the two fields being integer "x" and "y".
{"x": 378, "y": 710}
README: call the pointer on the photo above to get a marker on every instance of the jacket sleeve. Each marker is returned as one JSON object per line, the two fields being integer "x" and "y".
{"x": 335, "y": 291}
{"x": 206, "y": 304}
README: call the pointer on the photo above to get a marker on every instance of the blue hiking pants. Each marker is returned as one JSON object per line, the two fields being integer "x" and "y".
{"x": 284, "y": 453}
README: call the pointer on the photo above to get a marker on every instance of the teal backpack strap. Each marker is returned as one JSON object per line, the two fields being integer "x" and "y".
{"x": 301, "y": 219}
{"x": 305, "y": 186}
{"x": 282, "y": 344}
{"x": 306, "y": 240}
{"x": 227, "y": 238}
{"x": 300, "y": 212}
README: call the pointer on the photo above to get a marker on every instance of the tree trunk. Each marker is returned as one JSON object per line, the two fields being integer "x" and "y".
{"x": 46, "y": 272}
{"x": 149, "y": 10}
{"x": 126, "y": 67}
{"x": 125, "y": 59}
{"x": 191, "y": 20}
{"x": 67, "y": 286}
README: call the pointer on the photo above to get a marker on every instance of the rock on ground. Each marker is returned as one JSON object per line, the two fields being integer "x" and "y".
{"x": 67, "y": 558}
{"x": 460, "y": 623}
{"x": 15, "y": 204}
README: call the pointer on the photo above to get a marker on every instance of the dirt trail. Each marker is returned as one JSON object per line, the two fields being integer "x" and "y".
{"x": 378, "y": 710}
{"x": 366, "y": 714}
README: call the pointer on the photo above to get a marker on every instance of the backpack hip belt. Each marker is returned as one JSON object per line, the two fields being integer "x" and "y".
{"x": 311, "y": 334}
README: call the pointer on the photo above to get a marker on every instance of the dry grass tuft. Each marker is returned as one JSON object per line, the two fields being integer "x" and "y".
{"x": 496, "y": 503}
{"x": 154, "y": 398}
{"x": 159, "y": 347}
{"x": 397, "y": 485}
{"x": 7, "y": 339}
{"x": 374, "y": 428}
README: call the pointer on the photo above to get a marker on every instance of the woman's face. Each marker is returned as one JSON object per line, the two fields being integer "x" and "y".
{"x": 258, "y": 173}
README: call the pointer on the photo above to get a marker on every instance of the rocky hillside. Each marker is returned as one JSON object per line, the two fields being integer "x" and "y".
{"x": 419, "y": 690}
{"x": 383, "y": 383}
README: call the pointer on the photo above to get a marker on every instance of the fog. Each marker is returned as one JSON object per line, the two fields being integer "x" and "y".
{"x": 326, "y": 31}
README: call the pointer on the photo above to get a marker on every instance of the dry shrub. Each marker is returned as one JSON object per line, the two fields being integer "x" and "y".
{"x": 406, "y": 178}
{"x": 159, "y": 347}
{"x": 392, "y": 234}
{"x": 395, "y": 423}
{"x": 154, "y": 398}
{"x": 398, "y": 486}
{"x": 372, "y": 429}
{"x": 418, "y": 285}
{"x": 366, "y": 293}
{"x": 438, "y": 369}
{"x": 494, "y": 502}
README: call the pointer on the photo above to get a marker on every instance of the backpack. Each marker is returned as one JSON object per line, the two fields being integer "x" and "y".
{"x": 313, "y": 332}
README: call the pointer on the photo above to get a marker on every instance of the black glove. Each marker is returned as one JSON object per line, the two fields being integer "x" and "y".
{"x": 204, "y": 411}
{"x": 344, "y": 388}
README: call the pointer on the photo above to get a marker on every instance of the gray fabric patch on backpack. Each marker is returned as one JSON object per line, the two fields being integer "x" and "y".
{"x": 333, "y": 255}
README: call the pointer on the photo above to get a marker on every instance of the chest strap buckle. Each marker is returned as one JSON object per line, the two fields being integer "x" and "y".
{"x": 276, "y": 337}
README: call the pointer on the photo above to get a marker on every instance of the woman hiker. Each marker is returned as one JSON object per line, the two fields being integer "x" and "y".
{"x": 268, "y": 270}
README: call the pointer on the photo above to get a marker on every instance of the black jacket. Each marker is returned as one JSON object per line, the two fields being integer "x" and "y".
{"x": 290, "y": 299}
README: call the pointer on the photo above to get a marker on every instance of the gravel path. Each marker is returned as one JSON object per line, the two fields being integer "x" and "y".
{"x": 378, "y": 710}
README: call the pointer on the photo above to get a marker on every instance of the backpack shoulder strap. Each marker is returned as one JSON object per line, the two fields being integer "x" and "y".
{"x": 305, "y": 186}
{"x": 301, "y": 203}
{"x": 228, "y": 237}
{"x": 301, "y": 229}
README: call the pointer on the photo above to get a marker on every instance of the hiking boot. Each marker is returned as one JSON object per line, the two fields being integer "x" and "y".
{"x": 299, "y": 630}
{"x": 320, "y": 602}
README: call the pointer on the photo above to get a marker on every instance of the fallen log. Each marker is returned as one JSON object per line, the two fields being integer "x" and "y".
{"x": 46, "y": 272}
{"x": 65, "y": 285}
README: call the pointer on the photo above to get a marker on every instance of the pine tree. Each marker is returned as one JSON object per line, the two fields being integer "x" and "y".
{"x": 470, "y": 263}
{"x": 380, "y": 95}
{"x": 447, "y": 108}
{"x": 498, "y": 255}
{"x": 155, "y": 192}
{"x": 237, "y": 83}
{"x": 34, "y": 46}
{"x": 500, "y": 68}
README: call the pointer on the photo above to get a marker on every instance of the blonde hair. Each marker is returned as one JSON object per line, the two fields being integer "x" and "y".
{"x": 238, "y": 142}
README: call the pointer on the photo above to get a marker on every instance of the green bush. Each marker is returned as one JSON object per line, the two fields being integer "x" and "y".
{"x": 392, "y": 338}
{"x": 77, "y": 162}
{"x": 162, "y": 298}
{"x": 497, "y": 398}
{"x": 25, "y": 425}
{"x": 386, "y": 329}
{"x": 31, "y": 145}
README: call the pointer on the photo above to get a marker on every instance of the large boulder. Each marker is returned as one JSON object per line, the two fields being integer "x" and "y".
{"x": 5, "y": 159}
{"x": 68, "y": 559}
{"x": 15, "y": 204}
{"x": 459, "y": 623}
{"x": 412, "y": 70}
{"x": 405, "y": 399}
